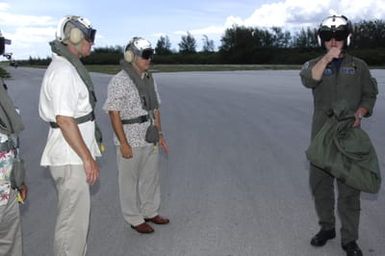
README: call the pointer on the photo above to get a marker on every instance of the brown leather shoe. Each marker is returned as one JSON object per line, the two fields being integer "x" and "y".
{"x": 158, "y": 220}
{"x": 143, "y": 228}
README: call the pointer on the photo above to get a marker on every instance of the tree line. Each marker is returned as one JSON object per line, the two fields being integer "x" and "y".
{"x": 252, "y": 45}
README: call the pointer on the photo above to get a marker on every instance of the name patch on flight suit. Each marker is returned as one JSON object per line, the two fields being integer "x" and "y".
{"x": 328, "y": 72}
{"x": 348, "y": 70}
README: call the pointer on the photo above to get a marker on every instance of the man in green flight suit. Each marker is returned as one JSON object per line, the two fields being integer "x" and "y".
{"x": 334, "y": 77}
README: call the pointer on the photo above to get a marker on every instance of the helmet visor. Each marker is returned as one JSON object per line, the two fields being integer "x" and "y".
{"x": 88, "y": 32}
{"x": 147, "y": 54}
{"x": 90, "y": 35}
{"x": 338, "y": 35}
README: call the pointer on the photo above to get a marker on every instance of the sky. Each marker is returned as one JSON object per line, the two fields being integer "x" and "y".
{"x": 31, "y": 24}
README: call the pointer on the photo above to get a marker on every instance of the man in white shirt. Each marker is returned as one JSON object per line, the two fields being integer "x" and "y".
{"x": 65, "y": 102}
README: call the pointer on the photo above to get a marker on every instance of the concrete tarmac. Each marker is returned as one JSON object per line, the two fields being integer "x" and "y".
{"x": 235, "y": 182}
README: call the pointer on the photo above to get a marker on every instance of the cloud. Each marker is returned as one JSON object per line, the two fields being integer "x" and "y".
{"x": 296, "y": 14}
{"x": 34, "y": 34}
{"x": 363, "y": 10}
{"x": 300, "y": 13}
{"x": 158, "y": 34}
{"x": 203, "y": 31}
{"x": 4, "y": 6}
{"x": 16, "y": 20}
{"x": 293, "y": 15}
{"x": 29, "y": 33}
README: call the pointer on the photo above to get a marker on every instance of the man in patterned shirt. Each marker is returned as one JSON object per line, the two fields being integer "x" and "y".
{"x": 10, "y": 126}
{"x": 133, "y": 105}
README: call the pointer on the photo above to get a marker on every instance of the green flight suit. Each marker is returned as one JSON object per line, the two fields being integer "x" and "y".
{"x": 353, "y": 83}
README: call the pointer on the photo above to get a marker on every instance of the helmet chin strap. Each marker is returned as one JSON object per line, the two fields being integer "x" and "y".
{"x": 136, "y": 66}
{"x": 139, "y": 70}
{"x": 78, "y": 48}
{"x": 75, "y": 49}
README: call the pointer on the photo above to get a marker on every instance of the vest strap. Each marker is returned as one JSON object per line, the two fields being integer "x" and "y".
{"x": 136, "y": 120}
{"x": 89, "y": 117}
{"x": 7, "y": 146}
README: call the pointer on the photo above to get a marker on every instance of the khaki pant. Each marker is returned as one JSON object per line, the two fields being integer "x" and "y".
{"x": 73, "y": 210}
{"x": 348, "y": 204}
{"x": 10, "y": 230}
{"x": 139, "y": 184}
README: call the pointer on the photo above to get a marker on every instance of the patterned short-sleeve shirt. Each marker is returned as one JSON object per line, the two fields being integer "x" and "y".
{"x": 6, "y": 161}
{"x": 123, "y": 96}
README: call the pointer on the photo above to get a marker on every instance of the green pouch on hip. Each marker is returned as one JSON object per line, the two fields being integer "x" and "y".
{"x": 152, "y": 134}
{"x": 17, "y": 173}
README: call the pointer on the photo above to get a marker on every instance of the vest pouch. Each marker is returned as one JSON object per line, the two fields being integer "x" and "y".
{"x": 17, "y": 173}
{"x": 152, "y": 134}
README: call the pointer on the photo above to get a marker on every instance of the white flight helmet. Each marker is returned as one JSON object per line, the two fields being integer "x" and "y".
{"x": 78, "y": 28}
{"x": 337, "y": 27}
{"x": 138, "y": 46}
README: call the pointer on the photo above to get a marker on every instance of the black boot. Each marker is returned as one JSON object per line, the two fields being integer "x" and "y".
{"x": 352, "y": 249}
{"x": 322, "y": 237}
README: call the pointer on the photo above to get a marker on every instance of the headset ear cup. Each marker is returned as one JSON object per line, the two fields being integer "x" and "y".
{"x": 128, "y": 56}
{"x": 76, "y": 36}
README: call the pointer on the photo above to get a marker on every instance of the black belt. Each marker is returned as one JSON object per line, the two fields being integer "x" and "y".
{"x": 89, "y": 117}
{"x": 7, "y": 145}
{"x": 136, "y": 120}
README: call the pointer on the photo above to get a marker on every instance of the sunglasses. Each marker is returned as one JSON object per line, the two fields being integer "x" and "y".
{"x": 338, "y": 35}
{"x": 147, "y": 54}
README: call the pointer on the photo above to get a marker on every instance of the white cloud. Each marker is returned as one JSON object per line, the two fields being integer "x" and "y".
{"x": 34, "y": 34}
{"x": 268, "y": 15}
{"x": 158, "y": 34}
{"x": 295, "y": 14}
{"x": 4, "y": 6}
{"x": 15, "y": 20}
{"x": 231, "y": 20}
{"x": 369, "y": 9}
{"x": 29, "y": 34}
{"x": 202, "y": 31}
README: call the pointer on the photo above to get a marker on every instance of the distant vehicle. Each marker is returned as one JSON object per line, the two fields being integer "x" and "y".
{"x": 13, "y": 63}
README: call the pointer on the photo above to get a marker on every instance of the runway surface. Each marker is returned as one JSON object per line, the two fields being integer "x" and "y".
{"x": 234, "y": 184}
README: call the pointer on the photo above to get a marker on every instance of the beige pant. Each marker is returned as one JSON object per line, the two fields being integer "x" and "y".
{"x": 73, "y": 210}
{"x": 10, "y": 231}
{"x": 139, "y": 184}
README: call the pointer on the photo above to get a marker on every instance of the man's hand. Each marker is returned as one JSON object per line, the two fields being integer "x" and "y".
{"x": 360, "y": 113}
{"x": 92, "y": 170}
{"x": 333, "y": 53}
{"x": 126, "y": 150}
{"x": 319, "y": 68}
{"x": 163, "y": 144}
{"x": 23, "y": 190}
{"x": 72, "y": 135}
